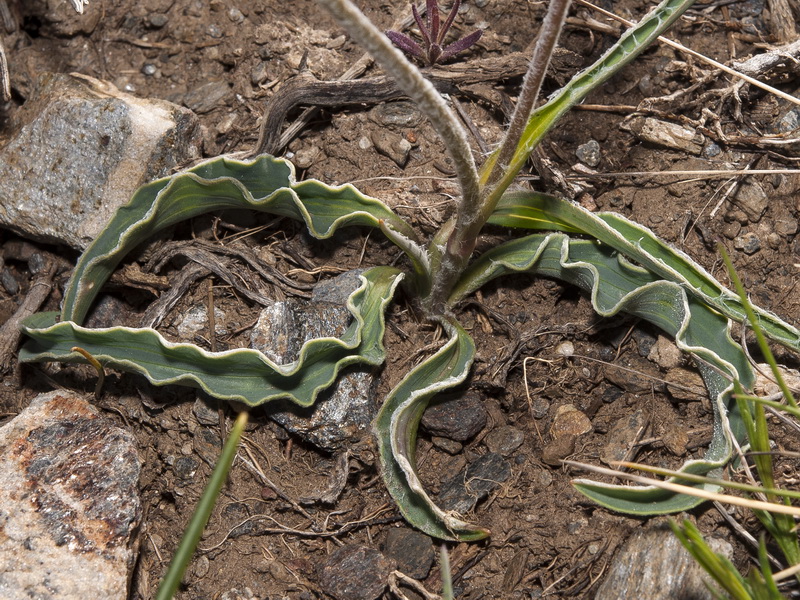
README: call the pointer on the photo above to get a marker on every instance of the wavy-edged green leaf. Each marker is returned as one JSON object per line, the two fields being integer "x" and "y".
{"x": 396, "y": 431}
{"x": 629, "y": 46}
{"x": 243, "y": 374}
{"x": 264, "y": 184}
{"x": 531, "y": 210}
{"x": 615, "y": 285}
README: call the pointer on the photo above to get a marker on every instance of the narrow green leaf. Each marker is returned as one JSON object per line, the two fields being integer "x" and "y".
{"x": 396, "y": 432}
{"x": 194, "y": 530}
{"x": 629, "y": 46}
{"x": 243, "y": 374}
{"x": 531, "y": 210}
{"x": 264, "y": 184}
{"x": 617, "y": 285}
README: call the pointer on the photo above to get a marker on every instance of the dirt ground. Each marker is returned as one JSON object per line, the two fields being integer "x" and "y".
{"x": 225, "y": 60}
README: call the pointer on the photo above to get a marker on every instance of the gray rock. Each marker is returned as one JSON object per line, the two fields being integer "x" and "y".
{"x": 589, "y": 153}
{"x": 412, "y": 550}
{"x": 621, "y": 436}
{"x": 654, "y": 565}
{"x": 752, "y": 199}
{"x": 392, "y": 145}
{"x": 465, "y": 490}
{"x": 504, "y": 440}
{"x": 206, "y": 411}
{"x": 207, "y": 97}
{"x": 664, "y": 133}
{"x": 399, "y": 115}
{"x": 83, "y": 148}
{"x": 355, "y": 573}
{"x": 69, "y": 503}
{"x": 457, "y": 419}
{"x": 749, "y": 243}
{"x": 665, "y": 353}
{"x": 343, "y": 413}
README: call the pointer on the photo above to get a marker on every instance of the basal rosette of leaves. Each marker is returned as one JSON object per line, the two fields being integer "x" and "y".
{"x": 622, "y": 266}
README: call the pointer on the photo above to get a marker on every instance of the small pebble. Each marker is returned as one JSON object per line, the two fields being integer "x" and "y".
{"x": 540, "y": 407}
{"x": 790, "y": 121}
{"x": 149, "y": 69}
{"x": 463, "y": 491}
{"x": 504, "y": 440}
{"x": 157, "y": 20}
{"x": 457, "y": 419}
{"x": 559, "y": 449}
{"x": 749, "y": 243}
{"x": 786, "y": 227}
{"x": 215, "y": 31}
{"x": 412, "y": 550}
{"x": 565, "y": 349}
{"x": 9, "y": 282}
{"x": 752, "y": 199}
{"x": 355, "y": 572}
{"x": 185, "y": 467}
{"x": 731, "y": 230}
{"x": 235, "y": 15}
{"x": 589, "y": 153}
{"x": 450, "y": 446}
{"x": 665, "y": 353}
{"x": 569, "y": 421}
{"x": 711, "y": 150}
{"x": 205, "y": 411}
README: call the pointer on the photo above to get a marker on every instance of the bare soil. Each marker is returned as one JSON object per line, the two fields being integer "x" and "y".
{"x": 545, "y": 536}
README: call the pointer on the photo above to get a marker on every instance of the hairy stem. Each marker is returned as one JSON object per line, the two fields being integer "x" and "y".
{"x": 531, "y": 85}
{"x": 419, "y": 89}
{"x": 471, "y": 219}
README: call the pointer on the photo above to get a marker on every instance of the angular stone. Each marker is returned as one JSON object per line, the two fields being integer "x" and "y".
{"x": 504, "y": 440}
{"x": 457, "y": 418}
{"x": 654, "y": 565}
{"x": 342, "y": 413}
{"x": 589, "y": 153}
{"x": 82, "y": 149}
{"x": 355, "y": 573}
{"x": 665, "y": 353}
{"x": 622, "y": 436}
{"x": 412, "y": 550}
{"x": 663, "y": 133}
{"x": 569, "y": 421}
{"x": 465, "y": 490}
{"x": 752, "y": 199}
{"x": 69, "y": 503}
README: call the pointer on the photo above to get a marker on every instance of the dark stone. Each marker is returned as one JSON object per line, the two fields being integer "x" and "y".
{"x": 504, "y": 440}
{"x": 185, "y": 467}
{"x": 559, "y": 449}
{"x": 355, "y": 573}
{"x": 465, "y": 490}
{"x": 207, "y": 97}
{"x": 457, "y": 419}
{"x": 450, "y": 446}
{"x": 412, "y": 550}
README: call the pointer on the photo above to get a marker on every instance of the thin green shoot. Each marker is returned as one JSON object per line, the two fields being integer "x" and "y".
{"x": 754, "y": 322}
{"x": 447, "y": 577}
{"x": 191, "y": 536}
{"x": 716, "y": 565}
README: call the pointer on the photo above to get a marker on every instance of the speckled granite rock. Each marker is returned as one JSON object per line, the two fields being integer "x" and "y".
{"x": 654, "y": 565}
{"x": 83, "y": 149}
{"x": 343, "y": 413}
{"x": 69, "y": 503}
